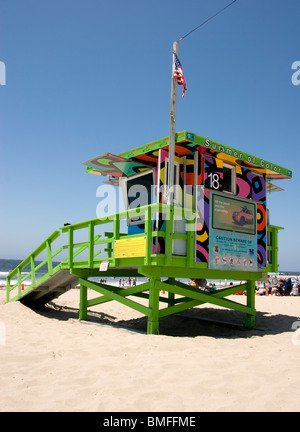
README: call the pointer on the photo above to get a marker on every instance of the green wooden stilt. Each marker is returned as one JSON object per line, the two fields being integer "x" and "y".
{"x": 250, "y": 318}
{"x": 171, "y": 296}
{"x": 153, "y": 318}
{"x": 83, "y": 302}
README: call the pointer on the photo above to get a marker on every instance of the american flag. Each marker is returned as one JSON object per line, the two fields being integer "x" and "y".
{"x": 178, "y": 74}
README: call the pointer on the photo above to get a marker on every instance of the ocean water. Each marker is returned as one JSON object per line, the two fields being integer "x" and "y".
{"x": 7, "y": 265}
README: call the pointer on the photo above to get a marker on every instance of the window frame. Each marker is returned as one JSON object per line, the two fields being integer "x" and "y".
{"x": 233, "y": 178}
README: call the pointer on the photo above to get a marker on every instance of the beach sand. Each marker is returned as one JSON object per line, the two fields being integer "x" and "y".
{"x": 50, "y": 361}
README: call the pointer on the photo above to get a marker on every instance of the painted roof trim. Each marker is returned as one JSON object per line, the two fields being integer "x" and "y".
{"x": 188, "y": 142}
{"x": 272, "y": 170}
{"x": 194, "y": 141}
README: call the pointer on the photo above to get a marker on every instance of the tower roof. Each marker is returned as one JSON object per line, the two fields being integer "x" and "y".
{"x": 145, "y": 156}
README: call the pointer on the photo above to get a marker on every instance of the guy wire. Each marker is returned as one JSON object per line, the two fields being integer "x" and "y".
{"x": 208, "y": 19}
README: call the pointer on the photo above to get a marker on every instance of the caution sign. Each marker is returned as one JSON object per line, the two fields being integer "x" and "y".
{"x": 130, "y": 247}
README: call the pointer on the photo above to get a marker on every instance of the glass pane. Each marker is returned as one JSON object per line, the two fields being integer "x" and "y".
{"x": 227, "y": 179}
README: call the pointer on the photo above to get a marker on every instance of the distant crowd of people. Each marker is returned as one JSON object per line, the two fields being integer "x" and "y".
{"x": 279, "y": 287}
{"x": 127, "y": 282}
{"x": 202, "y": 284}
{"x": 273, "y": 286}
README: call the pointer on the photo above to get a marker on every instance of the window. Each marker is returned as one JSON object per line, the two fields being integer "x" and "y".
{"x": 176, "y": 189}
{"x": 228, "y": 178}
{"x": 137, "y": 191}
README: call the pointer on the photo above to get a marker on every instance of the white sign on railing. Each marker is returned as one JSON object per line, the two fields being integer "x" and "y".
{"x": 104, "y": 265}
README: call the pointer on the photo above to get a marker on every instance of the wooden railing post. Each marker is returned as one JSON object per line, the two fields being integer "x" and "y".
{"x": 169, "y": 236}
{"x": 148, "y": 233}
{"x": 91, "y": 245}
{"x": 117, "y": 226}
{"x": 8, "y": 289}
{"x": 49, "y": 256}
{"x": 32, "y": 271}
{"x": 19, "y": 281}
{"x": 190, "y": 240}
{"x": 71, "y": 246}
{"x": 272, "y": 246}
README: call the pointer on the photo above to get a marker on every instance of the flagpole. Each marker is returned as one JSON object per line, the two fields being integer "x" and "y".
{"x": 172, "y": 127}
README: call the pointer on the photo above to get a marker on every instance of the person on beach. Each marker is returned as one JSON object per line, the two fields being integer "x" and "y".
{"x": 280, "y": 288}
{"x": 213, "y": 288}
{"x": 208, "y": 287}
{"x": 288, "y": 287}
{"x": 200, "y": 283}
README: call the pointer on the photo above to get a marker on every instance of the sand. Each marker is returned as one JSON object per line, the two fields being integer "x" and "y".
{"x": 50, "y": 361}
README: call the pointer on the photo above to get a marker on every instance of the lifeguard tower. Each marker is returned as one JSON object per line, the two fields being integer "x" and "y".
{"x": 213, "y": 223}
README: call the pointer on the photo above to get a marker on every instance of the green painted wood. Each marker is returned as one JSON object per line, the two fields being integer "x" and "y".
{"x": 208, "y": 298}
{"x": 148, "y": 234}
{"x": 178, "y": 308}
{"x": 250, "y": 316}
{"x": 169, "y": 238}
{"x": 114, "y": 296}
{"x": 123, "y": 292}
{"x": 32, "y": 271}
{"x": 187, "y": 303}
{"x": 153, "y": 317}
{"x": 49, "y": 256}
{"x": 70, "y": 248}
{"x": 154, "y": 266}
{"x": 91, "y": 245}
{"x": 83, "y": 301}
{"x": 36, "y": 252}
{"x": 19, "y": 282}
{"x": 179, "y": 269}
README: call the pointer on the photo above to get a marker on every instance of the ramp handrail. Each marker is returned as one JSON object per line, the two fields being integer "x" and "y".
{"x": 147, "y": 211}
{"x": 45, "y": 245}
{"x": 169, "y": 213}
{"x": 30, "y": 260}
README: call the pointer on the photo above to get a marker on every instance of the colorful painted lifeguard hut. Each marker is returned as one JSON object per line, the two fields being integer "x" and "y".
{"x": 213, "y": 224}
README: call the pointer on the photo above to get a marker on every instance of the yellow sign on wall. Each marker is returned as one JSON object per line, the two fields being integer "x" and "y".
{"x": 130, "y": 247}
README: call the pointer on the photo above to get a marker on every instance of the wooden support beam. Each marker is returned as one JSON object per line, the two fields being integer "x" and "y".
{"x": 153, "y": 317}
{"x": 178, "y": 269}
{"x": 123, "y": 292}
{"x": 204, "y": 297}
{"x": 83, "y": 300}
{"x": 115, "y": 296}
{"x": 184, "y": 303}
{"x": 170, "y": 310}
{"x": 250, "y": 316}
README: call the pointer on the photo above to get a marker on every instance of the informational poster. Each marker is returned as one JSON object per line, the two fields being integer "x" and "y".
{"x": 232, "y": 235}
{"x": 130, "y": 247}
{"x": 233, "y": 214}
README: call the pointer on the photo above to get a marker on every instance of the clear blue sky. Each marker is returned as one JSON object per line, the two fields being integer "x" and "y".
{"x": 88, "y": 76}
